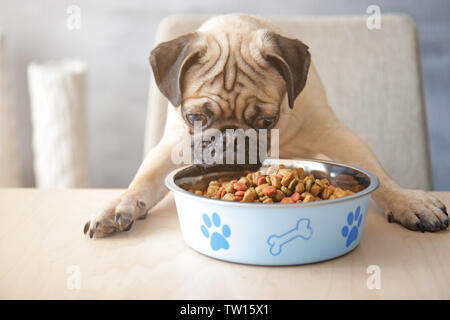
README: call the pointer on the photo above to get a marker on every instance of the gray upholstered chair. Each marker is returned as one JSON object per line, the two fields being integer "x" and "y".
{"x": 372, "y": 78}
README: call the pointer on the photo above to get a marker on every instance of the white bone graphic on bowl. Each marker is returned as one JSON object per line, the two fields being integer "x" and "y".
{"x": 302, "y": 230}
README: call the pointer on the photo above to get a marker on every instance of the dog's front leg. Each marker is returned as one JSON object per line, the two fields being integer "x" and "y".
{"x": 414, "y": 209}
{"x": 146, "y": 190}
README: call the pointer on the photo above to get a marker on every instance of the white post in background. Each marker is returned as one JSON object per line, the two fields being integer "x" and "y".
{"x": 10, "y": 175}
{"x": 58, "y": 115}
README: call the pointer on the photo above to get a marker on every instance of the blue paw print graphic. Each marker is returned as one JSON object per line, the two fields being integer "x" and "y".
{"x": 351, "y": 230}
{"x": 218, "y": 239}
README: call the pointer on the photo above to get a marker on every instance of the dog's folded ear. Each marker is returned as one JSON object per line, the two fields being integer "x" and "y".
{"x": 291, "y": 58}
{"x": 170, "y": 60}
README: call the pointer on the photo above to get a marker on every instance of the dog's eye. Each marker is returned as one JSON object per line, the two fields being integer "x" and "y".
{"x": 266, "y": 123}
{"x": 193, "y": 117}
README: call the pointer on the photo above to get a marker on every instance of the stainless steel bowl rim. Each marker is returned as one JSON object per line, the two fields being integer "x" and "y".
{"x": 374, "y": 183}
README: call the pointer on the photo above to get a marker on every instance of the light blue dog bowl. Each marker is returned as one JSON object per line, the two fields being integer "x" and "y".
{"x": 274, "y": 234}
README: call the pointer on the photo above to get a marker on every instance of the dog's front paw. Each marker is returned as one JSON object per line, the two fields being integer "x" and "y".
{"x": 417, "y": 210}
{"x": 119, "y": 215}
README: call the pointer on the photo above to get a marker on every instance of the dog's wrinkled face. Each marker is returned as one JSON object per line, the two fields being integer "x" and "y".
{"x": 232, "y": 86}
{"x": 231, "y": 80}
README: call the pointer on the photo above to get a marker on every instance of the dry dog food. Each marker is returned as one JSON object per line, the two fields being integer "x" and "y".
{"x": 277, "y": 184}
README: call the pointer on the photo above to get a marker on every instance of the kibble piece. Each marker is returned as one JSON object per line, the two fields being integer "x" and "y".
{"x": 286, "y": 191}
{"x": 339, "y": 193}
{"x": 269, "y": 191}
{"x": 274, "y": 180}
{"x": 259, "y": 189}
{"x": 260, "y": 180}
{"x": 229, "y": 197}
{"x": 245, "y": 181}
{"x": 250, "y": 195}
{"x": 300, "y": 187}
{"x": 301, "y": 173}
{"x": 326, "y": 193}
{"x": 283, "y": 171}
{"x": 315, "y": 190}
{"x": 268, "y": 171}
{"x": 212, "y": 190}
{"x": 287, "y": 178}
{"x": 308, "y": 184}
{"x": 303, "y": 195}
{"x": 239, "y": 186}
{"x": 319, "y": 183}
{"x": 279, "y": 195}
{"x": 287, "y": 200}
{"x": 295, "y": 196}
{"x": 309, "y": 198}
{"x": 293, "y": 183}
{"x": 214, "y": 183}
{"x": 229, "y": 187}
{"x": 221, "y": 192}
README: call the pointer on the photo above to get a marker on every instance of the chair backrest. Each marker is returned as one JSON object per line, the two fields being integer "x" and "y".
{"x": 372, "y": 79}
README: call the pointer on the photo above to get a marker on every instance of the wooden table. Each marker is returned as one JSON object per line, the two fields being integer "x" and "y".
{"x": 43, "y": 249}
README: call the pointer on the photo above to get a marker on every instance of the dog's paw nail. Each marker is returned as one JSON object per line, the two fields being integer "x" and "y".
{"x": 438, "y": 225}
{"x": 389, "y": 216}
{"x": 420, "y": 226}
{"x": 86, "y": 227}
{"x": 124, "y": 221}
{"x": 141, "y": 204}
{"x": 91, "y": 233}
{"x": 128, "y": 227}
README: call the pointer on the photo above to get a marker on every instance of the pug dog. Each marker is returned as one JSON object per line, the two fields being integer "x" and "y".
{"x": 239, "y": 71}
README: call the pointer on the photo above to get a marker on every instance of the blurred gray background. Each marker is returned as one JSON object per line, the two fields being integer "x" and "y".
{"x": 116, "y": 38}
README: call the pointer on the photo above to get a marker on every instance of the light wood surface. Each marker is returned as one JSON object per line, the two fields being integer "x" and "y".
{"x": 41, "y": 238}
